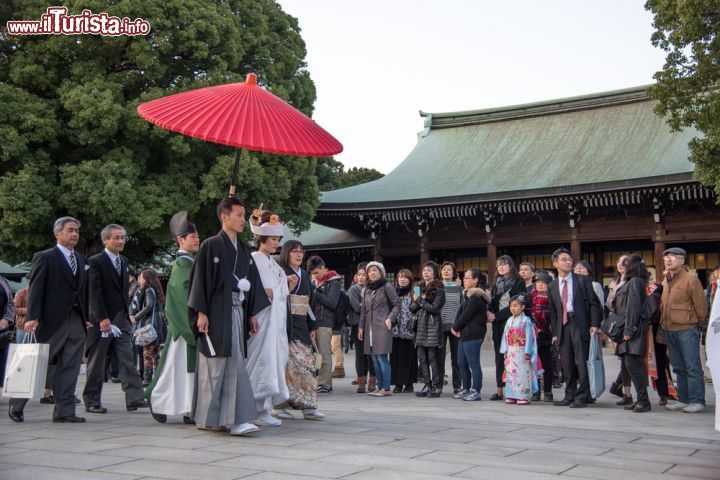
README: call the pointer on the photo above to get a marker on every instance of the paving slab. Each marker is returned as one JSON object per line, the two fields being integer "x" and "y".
{"x": 175, "y": 470}
{"x": 401, "y": 437}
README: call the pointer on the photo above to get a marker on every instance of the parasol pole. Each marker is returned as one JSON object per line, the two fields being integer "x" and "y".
{"x": 233, "y": 182}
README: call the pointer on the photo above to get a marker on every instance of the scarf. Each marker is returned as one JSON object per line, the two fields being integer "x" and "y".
{"x": 328, "y": 276}
{"x": 377, "y": 284}
{"x": 540, "y": 308}
{"x": 402, "y": 291}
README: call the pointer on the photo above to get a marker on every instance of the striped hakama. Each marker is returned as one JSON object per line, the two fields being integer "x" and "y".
{"x": 224, "y": 396}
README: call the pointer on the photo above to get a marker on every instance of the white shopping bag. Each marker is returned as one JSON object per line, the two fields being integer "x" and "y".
{"x": 26, "y": 369}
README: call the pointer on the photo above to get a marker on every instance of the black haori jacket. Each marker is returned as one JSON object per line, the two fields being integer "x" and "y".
{"x": 211, "y": 288}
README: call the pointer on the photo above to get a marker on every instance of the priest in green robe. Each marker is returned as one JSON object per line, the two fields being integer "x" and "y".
{"x": 171, "y": 390}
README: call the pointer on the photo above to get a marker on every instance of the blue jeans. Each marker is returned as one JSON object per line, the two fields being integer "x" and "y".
{"x": 469, "y": 355}
{"x": 684, "y": 350}
{"x": 19, "y": 335}
{"x": 382, "y": 370}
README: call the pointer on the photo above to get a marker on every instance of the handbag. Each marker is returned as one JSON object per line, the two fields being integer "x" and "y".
{"x": 614, "y": 327}
{"x": 144, "y": 336}
{"x": 26, "y": 368}
{"x": 7, "y": 337}
{"x": 317, "y": 357}
{"x": 596, "y": 368}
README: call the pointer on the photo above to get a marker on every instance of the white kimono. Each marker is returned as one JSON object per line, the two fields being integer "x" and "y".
{"x": 712, "y": 348}
{"x": 267, "y": 353}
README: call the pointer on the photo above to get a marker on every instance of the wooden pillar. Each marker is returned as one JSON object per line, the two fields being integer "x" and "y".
{"x": 575, "y": 247}
{"x": 660, "y": 246}
{"x": 491, "y": 258}
{"x": 424, "y": 252}
{"x": 377, "y": 249}
{"x": 659, "y": 264}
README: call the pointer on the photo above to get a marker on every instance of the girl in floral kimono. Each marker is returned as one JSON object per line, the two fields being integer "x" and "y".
{"x": 519, "y": 345}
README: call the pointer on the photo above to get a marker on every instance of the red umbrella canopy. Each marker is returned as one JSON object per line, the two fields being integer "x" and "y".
{"x": 241, "y": 115}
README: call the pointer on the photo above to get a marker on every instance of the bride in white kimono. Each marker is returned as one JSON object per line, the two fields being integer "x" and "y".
{"x": 267, "y": 353}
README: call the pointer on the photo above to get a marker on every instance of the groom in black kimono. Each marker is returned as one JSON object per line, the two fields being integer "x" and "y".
{"x": 225, "y": 294}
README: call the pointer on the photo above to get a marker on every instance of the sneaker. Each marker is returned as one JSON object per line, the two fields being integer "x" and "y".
{"x": 694, "y": 408}
{"x": 374, "y": 392}
{"x": 282, "y": 414}
{"x": 434, "y": 392}
{"x": 461, "y": 394}
{"x": 536, "y": 397}
{"x": 323, "y": 390}
{"x": 313, "y": 414}
{"x": 472, "y": 396}
{"x": 548, "y": 397}
{"x": 676, "y": 405}
{"x": 269, "y": 420}
{"x": 384, "y": 393}
{"x": 397, "y": 389}
{"x": 244, "y": 428}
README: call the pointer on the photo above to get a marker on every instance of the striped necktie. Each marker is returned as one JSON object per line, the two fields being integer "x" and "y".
{"x": 117, "y": 265}
{"x": 73, "y": 263}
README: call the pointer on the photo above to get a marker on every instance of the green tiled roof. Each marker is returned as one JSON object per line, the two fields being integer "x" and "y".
{"x": 327, "y": 237}
{"x": 588, "y": 140}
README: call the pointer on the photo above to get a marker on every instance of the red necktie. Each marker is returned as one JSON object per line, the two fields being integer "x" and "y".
{"x": 563, "y": 298}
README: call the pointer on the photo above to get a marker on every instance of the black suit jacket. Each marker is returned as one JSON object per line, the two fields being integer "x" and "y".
{"x": 55, "y": 290}
{"x": 588, "y": 312}
{"x": 108, "y": 294}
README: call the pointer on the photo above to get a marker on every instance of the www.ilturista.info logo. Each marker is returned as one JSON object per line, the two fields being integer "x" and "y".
{"x": 57, "y": 22}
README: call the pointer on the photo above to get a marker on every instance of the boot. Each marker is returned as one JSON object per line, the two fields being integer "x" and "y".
{"x": 372, "y": 383}
{"x": 339, "y": 372}
{"x": 360, "y": 384}
{"x": 147, "y": 376}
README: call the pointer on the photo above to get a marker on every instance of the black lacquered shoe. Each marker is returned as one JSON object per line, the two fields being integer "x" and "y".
{"x": 69, "y": 419}
{"x": 17, "y": 417}
{"x": 137, "y": 404}
{"x": 423, "y": 392}
{"x": 188, "y": 420}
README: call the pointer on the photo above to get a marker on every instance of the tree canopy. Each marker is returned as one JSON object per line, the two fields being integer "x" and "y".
{"x": 71, "y": 141}
{"x": 332, "y": 175}
{"x": 687, "y": 86}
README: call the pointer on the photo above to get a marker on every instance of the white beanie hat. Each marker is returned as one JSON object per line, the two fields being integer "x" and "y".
{"x": 377, "y": 265}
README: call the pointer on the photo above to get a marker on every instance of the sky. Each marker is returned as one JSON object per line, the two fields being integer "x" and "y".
{"x": 376, "y": 64}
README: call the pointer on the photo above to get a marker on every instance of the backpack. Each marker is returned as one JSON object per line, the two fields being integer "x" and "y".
{"x": 341, "y": 311}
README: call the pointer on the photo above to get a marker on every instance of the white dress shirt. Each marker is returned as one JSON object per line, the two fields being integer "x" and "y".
{"x": 66, "y": 253}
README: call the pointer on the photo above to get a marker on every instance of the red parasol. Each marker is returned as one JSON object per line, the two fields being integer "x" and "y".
{"x": 242, "y": 115}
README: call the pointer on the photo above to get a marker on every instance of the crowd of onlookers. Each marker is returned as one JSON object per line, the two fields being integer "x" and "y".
{"x": 292, "y": 315}
{"x": 541, "y": 324}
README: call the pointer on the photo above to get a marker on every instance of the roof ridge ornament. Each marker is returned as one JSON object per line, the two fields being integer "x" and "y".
{"x": 427, "y": 125}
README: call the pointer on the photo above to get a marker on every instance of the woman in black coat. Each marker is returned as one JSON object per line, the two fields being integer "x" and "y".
{"x": 507, "y": 284}
{"x": 428, "y": 332}
{"x": 471, "y": 327}
{"x": 629, "y": 304}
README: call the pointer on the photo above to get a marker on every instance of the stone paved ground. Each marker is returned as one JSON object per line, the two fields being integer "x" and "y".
{"x": 365, "y": 437}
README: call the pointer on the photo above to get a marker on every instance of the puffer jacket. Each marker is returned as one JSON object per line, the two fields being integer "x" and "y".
{"x": 472, "y": 318}
{"x": 429, "y": 322}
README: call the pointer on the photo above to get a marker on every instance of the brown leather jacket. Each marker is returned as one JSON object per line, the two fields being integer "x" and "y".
{"x": 683, "y": 303}
{"x": 21, "y": 302}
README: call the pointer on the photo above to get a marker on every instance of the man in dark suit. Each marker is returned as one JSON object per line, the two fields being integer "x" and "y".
{"x": 57, "y": 313}
{"x": 108, "y": 300}
{"x": 574, "y": 313}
